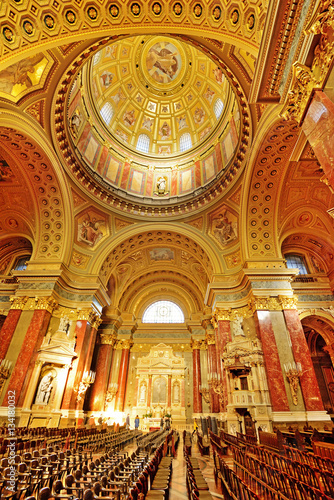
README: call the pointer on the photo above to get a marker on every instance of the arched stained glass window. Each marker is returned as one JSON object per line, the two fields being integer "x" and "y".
{"x": 143, "y": 143}
{"x": 296, "y": 262}
{"x": 218, "y": 108}
{"x": 107, "y": 112}
{"x": 185, "y": 142}
{"x": 163, "y": 311}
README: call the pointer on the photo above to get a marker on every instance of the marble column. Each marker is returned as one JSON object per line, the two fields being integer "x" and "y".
{"x": 10, "y": 323}
{"x": 149, "y": 390}
{"x": 278, "y": 396}
{"x": 123, "y": 374}
{"x": 197, "y": 379}
{"x": 274, "y": 375}
{"x": 221, "y": 322}
{"x": 169, "y": 392}
{"x": 212, "y": 369}
{"x": 103, "y": 362}
{"x": 27, "y": 357}
{"x": 301, "y": 353}
{"x": 87, "y": 318}
{"x": 318, "y": 126}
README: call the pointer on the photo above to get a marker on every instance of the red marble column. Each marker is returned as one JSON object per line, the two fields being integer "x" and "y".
{"x": 10, "y": 323}
{"x": 308, "y": 380}
{"x": 83, "y": 332}
{"x": 318, "y": 127}
{"x": 279, "y": 400}
{"x": 197, "y": 380}
{"x": 169, "y": 392}
{"x": 212, "y": 369}
{"x": 183, "y": 394}
{"x": 123, "y": 375}
{"x": 103, "y": 361}
{"x": 24, "y": 366}
{"x": 149, "y": 391}
{"x": 223, "y": 335}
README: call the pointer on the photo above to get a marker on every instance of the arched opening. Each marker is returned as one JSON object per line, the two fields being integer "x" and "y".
{"x": 163, "y": 311}
{"x": 323, "y": 365}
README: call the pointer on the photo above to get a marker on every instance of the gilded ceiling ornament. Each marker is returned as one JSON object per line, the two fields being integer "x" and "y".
{"x": 177, "y": 9}
{"x": 216, "y": 13}
{"x": 28, "y": 27}
{"x": 234, "y": 17}
{"x": 298, "y": 96}
{"x": 156, "y": 8}
{"x": 92, "y": 13}
{"x": 135, "y": 9}
{"x": 114, "y": 10}
{"x": 198, "y": 10}
{"x": 250, "y": 23}
{"x": 8, "y": 34}
{"x": 49, "y": 22}
{"x": 70, "y": 16}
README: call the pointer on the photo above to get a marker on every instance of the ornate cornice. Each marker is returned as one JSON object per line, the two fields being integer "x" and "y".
{"x": 288, "y": 302}
{"x": 107, "y": 339}
{"x": 307, "y": 79}
{"x": 18, "y": 302}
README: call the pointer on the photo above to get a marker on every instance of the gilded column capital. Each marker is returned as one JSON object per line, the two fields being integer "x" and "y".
{"x": 18, "y": 302}
{"x": 195, "y": 344}
{"x": 125, "y": 344}
{"x": 91, "y": 316}
{"x": 265, "y": 304}
{"x": 222, "y": 314}
{"x": 107, "y": 339}
{"x": 210, "y": 339}
{"x": 288, "y": 302}
{"x": 45, "y": 303}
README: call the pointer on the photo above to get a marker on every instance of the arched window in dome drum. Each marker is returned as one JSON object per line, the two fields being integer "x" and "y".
{"x": 218, "y": 107}
{"x": 143, "y": 143}
{"x": 97, "y": 57}
{"x": 107, "y": 112}
{"x": 185, "y": 142}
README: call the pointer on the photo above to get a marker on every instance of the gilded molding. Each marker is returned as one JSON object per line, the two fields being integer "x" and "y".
{"x": 107, "y": 339}
{"x": 18, "y": 302}
{"x": 45, "y": 303}
{"x": 210, "y": 339}
{"x": 298, "y": 96}
{"x": 288, "y": 302}
{"x": 222, "y": 315}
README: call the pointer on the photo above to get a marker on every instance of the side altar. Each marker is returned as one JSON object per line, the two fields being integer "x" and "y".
{"x": 160, "y": 383}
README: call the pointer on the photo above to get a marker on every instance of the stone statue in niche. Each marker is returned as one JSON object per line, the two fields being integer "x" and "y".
{"x": 44, "y": 389}
{"x": 238, "y": 328}
{"x": 142, "y": 395}
{"x": 176, "y": 393}
{"x": 64, "y": 324}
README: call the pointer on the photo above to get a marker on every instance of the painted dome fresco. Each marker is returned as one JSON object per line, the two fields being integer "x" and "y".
{"x": 154, "y": 116}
